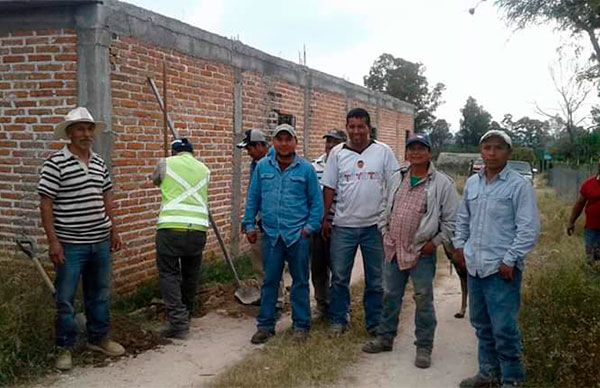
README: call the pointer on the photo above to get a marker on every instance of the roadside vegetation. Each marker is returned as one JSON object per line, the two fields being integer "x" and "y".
{"x": 27, "y": 318}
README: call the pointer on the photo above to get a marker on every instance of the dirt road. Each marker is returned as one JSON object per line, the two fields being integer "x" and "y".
{"x": 454, "y": 355}
{"x": 217, "y": 341}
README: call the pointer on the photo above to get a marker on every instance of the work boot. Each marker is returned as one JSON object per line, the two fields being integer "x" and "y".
{"x": 261, "y": 336}
{"x": 300, "y": 336}
{"x": 64, "y": 361}
{"x": 480, "y": 381}
{"x": 423, "y": 358}
{"x": 336, "y": 331}
{"x": 108, "y": 347}
{"x": 171, "y": 332}
{"x": 379, "y": 344}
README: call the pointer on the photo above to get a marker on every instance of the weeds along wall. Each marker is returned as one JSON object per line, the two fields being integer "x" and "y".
{"x": 57, "y": 55}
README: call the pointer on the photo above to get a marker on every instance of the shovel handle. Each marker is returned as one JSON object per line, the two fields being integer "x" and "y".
{"x": 28, "y": 248}
{"x": 223, "y": 248}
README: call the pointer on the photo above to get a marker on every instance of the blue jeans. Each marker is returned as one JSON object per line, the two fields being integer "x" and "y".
{"x": 394, "y": 283}
{"x": 494, "y": 311}
{"x": 344, "y": 243}
{"x": 591, "y": 239}
{"x": 274, "y": 257}
{"x": 91, "y": 262}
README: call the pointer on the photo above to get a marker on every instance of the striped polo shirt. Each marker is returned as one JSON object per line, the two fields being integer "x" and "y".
{"x": 77, "y": 191}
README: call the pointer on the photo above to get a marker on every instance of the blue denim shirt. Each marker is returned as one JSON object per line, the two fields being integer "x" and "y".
{"x": 288, "y": 200}
{"x": 497, "y": 222}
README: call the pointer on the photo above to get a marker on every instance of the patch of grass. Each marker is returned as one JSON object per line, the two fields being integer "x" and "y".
{"x": 26, "y": 323}
{"x": 560, "y": 316}
{"x": 218, "y": 271}
{"x": 283, "y": 363}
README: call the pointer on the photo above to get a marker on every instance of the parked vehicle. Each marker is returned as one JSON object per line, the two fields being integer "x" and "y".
{"x": 523, "y": 168}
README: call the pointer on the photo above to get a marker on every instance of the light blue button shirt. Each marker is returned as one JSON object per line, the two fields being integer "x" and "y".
{"x": 288, "y": 200}
{"x": 497, "y": 222}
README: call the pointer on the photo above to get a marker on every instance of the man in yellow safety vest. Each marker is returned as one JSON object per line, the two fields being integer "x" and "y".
{"x": 181, "y": 233}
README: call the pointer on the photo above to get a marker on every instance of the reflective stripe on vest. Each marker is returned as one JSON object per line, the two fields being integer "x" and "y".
{"x": 176, "y": 213}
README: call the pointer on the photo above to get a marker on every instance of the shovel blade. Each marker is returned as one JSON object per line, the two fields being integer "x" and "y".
{"x": 248, "y": 295}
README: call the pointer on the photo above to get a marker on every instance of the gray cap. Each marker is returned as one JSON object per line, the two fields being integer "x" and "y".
{"x": 336, "y": 134}
{"x": 284, "y": 128}
{"x": 252, "y": 136}
{"x": 419, "y": 138}
{"x": 495, "y": 132}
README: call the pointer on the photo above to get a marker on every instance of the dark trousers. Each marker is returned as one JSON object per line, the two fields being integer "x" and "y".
{"x": 178, "y": 259}
{"x": 320, "y": 271}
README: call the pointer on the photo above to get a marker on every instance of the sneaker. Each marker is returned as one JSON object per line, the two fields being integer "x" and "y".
{"x": 300, "y": 336}
{"x": 171, "y": 332}
{"x": 379, "y": 344}
{"x": 108, "y": 347}
{"x": 423, "y": 358}
{"x": 64, "y": 360}
{"x": 261, "y": 336}
{"x": 480, "y": 381}
{"x": 511, "y": 384}
{"x": 336, "y": 331}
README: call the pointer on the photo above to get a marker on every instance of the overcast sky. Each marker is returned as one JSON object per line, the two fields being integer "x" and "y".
{"x": 474, "y": 55}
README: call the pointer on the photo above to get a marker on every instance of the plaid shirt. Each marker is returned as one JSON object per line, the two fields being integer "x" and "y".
{"x": 409, "y": 206}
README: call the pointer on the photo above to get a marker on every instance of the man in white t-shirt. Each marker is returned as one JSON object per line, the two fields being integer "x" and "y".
{"x": 358, "y": 171}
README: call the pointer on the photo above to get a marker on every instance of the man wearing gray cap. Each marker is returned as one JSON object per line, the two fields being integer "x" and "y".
{"x": 320, "y": 263}
{"x": 285, "y": 189}
{"x": 497, "y": 225}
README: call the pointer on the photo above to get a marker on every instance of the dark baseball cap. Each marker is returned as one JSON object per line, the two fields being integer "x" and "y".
{"x": 252, "y": 136}
{"x": 336, "y": 134}
{"x": 419, "y": 138}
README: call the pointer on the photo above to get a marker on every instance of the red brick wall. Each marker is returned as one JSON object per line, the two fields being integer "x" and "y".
{"x": 38, "y": 86}
{"x": 200, "y": 103}
{"x": 38, "y": 71}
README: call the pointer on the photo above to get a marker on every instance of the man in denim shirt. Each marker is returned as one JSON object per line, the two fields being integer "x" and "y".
{"x": 496, "y": 227}
{"x": 285, "y": 189}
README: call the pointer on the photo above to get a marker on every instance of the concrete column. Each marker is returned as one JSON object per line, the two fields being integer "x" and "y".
{"x": 93, "y": 71}
{"x": 307, "y": 112}
{"x": 236, "y": 184}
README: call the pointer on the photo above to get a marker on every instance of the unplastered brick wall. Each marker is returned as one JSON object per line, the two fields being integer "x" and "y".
{"x": 38, "y": 71}
{"x": 200, "y": 103}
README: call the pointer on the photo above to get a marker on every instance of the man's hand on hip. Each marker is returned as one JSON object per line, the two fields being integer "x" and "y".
{"x": 506, "y": 272}
{"x": 252, "y": 237}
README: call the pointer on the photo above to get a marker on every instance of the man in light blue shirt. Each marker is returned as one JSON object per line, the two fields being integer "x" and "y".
{"x": 285, "y": 189}
{"x": 497, "y": 225}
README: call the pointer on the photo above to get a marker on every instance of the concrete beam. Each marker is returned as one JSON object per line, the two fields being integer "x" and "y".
{"x": 236, "y": 182}
{"x": 307, "y": 112}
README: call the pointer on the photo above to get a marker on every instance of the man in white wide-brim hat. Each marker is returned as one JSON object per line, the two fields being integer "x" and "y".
{"x": 77, "y": 216}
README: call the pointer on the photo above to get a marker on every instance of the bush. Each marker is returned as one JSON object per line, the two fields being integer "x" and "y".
{"x": 560, "y": 316}
{"x": 26, "y": 323}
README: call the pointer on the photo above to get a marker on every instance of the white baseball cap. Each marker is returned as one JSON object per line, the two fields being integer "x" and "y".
{"x": 498, "y": 133}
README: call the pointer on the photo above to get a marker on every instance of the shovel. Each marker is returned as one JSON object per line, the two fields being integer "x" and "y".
{"x": 245, "y": 295}
{"x": 27, "y": 247}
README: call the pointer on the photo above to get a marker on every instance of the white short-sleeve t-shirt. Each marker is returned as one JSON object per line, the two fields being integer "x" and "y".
{"x": 359, "y": 180}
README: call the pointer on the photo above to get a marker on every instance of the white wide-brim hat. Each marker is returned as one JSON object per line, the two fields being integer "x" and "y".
{"x": 77, "y": 115}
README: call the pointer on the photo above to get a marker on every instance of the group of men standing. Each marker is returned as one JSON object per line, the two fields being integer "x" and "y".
{"x": 314, "y": 217}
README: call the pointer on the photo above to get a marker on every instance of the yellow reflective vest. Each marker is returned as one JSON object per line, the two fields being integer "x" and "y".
{"x": 184, "y": 192}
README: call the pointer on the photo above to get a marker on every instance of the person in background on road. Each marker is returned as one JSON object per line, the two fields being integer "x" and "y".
{"x": 180, "y": 233}
{"x": 589, "y": 199}
{"x": 358, "y": 171}
{"x": 497, "y": 225}
{"x": 285, "y": 189}
{"x": 419, "y": 217}
{"x": 76, "y": 206}
{"x": 320, "y": 264}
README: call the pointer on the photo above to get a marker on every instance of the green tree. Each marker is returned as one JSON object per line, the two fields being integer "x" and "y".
{"x": 440, "y": 135}
{"x": 475, "y": 122}
{"x": 576, "y": 16}
{"x": 406, "y": 81}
